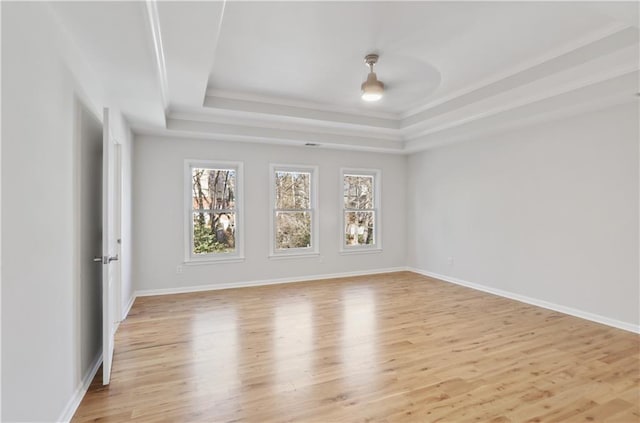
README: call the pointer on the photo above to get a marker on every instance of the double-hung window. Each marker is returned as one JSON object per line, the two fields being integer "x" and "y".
{"x": 361, "y": 210}
{"x": 294, "y": 222}
{"x": 214, "y": 219}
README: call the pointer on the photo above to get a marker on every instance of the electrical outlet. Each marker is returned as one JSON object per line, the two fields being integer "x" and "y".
{"x": 179, "y": 269}
{"x": 450, "y": 261}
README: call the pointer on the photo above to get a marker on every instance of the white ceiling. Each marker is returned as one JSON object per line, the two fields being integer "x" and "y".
{"x": 314, "y": 51}
{"x": 290, "y": 72}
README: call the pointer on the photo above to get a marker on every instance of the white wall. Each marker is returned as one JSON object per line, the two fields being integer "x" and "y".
{"x": 41, "y": 79}
{"x": 548, "y": 212}
{"x": 159, "y": 212}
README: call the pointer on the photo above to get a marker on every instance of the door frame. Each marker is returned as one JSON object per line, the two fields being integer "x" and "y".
{"x": 80, "y": 107}
{"x": 81, "y": 111}
{"x": 117, "y": 207}
{"x": 111, "y": 217}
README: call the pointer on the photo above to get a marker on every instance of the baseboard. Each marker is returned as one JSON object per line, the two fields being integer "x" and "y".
{"x": 127, "y": 309}
{"x": 212, "y": 287}
{"x": 534, "y": 301}
{"x": 74, "y": 402}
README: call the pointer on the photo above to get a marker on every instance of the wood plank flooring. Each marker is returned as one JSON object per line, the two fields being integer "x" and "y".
{"x": 383, "y": 348}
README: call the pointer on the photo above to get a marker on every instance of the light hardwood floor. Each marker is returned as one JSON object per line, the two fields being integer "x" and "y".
{"x": 383, "y": 348}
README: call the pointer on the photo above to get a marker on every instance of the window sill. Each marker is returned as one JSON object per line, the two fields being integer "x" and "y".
{"x": 360, "y": 251}
{"x": 207, "y": 261}
{"x": 285, "y": 256}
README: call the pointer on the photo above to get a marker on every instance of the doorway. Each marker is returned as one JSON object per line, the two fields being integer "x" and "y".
{"x": 88, "y": 176}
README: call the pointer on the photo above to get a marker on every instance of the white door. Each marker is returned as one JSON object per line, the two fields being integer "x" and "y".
{"x": 109, "y": 246}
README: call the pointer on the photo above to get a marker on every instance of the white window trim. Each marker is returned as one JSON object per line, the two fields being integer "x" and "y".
{"x": 212, "y": 258}
{"x": 377, "y": 232}
{"x": 292, "y": 253}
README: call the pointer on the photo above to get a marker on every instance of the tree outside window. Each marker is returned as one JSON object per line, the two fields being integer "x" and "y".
{"x": 213, "y": 210}
{"x": 293, "y": 210}
{"x": 360, "y": 208}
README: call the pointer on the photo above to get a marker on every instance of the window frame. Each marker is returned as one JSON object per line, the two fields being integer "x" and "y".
{"x": 314, "y": 250}
{"x": 376, "y": 247}
{"x": 211, "y": 258}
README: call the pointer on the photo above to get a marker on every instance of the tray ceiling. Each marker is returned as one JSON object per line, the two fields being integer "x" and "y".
{"x": 289, "y": 72}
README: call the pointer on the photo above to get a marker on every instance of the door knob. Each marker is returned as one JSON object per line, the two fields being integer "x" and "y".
{"x": 105, "y": 259}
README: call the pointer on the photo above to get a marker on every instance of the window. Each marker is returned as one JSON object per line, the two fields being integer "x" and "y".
{"x": 294, "y": 219}
{"x": 214, "y": 198}
{"x": 361, "y": 210}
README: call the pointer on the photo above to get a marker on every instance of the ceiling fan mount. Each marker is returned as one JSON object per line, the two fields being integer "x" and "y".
{"x": 371, "y": 59}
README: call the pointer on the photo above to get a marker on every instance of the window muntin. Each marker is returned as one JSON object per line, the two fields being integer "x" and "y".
{"x": 360, "y": 209}
{"x": 213, "y": 215}
{"x": 294, "y": 218}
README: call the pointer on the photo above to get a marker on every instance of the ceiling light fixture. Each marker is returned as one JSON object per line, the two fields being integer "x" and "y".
{"x": 372, "y": 89}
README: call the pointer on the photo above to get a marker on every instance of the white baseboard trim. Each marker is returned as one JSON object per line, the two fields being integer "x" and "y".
{"x": 212, "y": 287}
{"x": 534, "y": 301}
{"x": 127, "y": 309}
{"x": 74, "y": 402}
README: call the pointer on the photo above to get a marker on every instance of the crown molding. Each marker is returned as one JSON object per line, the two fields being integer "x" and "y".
{"x": 484, "y": 129}
{"x": 523, "y": 66}
{"x": 582, "y": 95}
{"x": 483, "y": 111}
{"x": 156, "y": 37}
{"x": 215, "y": 47}
{"x": 303, "y": 104}
{"x": 293, "y": 113}
{"x": 243, "y": 132}
{"x": 576, "y": 61}
{"x": 280, "y": 122}
{"x": 590, "y": 98}
{"x": 179, "y": 132}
